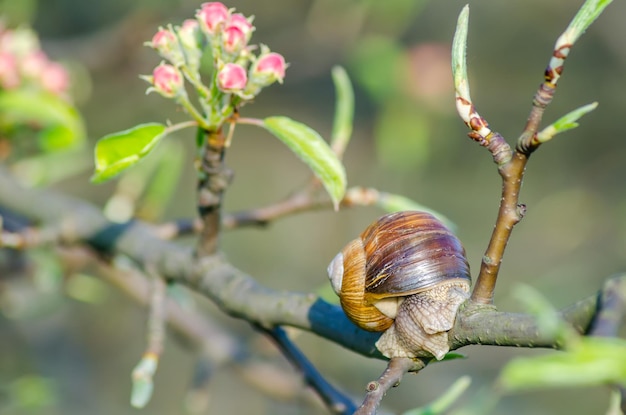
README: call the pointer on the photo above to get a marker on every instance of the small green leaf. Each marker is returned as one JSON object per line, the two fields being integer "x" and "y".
{"x": 307, "y": 144}
{"x": 459, "y": 62}
{"x": 60, "y": 123}
{"x": 594, "y": 361}
{"x": 586, "y": 15}
{"x": 142, "y": 375}
{"x": 344, "y": 110}
{"x": 566, "y": 122}
{"x": 119, "y": 151}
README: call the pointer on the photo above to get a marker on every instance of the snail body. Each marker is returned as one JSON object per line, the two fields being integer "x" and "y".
{"x": 406, "y": 275}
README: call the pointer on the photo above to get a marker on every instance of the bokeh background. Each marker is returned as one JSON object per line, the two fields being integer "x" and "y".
{"x": 75, "y": 357}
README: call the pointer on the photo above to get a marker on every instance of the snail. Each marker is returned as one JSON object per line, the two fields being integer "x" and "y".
{"x": 405, "y": 275}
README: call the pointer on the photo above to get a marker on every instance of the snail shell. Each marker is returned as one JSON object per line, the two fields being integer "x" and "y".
{"x": 406, "y": 275}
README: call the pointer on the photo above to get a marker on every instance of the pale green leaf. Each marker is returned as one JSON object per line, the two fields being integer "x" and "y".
{"x": 459, "y": 62}
{"x": 307, "y": 144}
{"x": 142, "y": 375}
{"x": 119, "y": 151}
{"x": 594, "y": 361}
{"x": 344, "y": 110}
{"x": 586, "y": 15}
{"x": 566, "y": 122}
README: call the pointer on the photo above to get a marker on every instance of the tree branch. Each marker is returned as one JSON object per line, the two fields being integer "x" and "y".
{"x": 390, "y": 378}
{"x": 239, "y": 295}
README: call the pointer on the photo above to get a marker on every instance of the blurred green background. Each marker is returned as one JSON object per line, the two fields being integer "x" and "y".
{"x": 407, "y": 140}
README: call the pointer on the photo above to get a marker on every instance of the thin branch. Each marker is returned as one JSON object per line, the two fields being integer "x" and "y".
{"x": 336, "y": 401}
{"x": 305, "y": 200}
{"x": 511, "y": 166}
{"x": 146, "y": 368}
{"x": 586, "y": 15}
{"x": 216, "y": 346}
{"x": 391, "y": 377}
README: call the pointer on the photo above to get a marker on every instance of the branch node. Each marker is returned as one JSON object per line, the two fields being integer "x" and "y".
{"x": 372, "y": 386}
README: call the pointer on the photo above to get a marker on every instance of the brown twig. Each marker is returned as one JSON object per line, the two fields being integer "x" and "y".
{"x": 509, "y": 214}
{"x": 302, "y": 201}
{"x": 214, "y": 178}
{"x": 511, "y": 164}
{"x": 391, "y": 377}
{"x": 158, "y": 314}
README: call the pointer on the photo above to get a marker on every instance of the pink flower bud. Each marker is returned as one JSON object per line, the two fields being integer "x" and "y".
{"x": 234, "y": 40}
{"x": 55, "y": 79}
{"x": 239, "y": 21}
{"x": 166, "y": 43}
{"x": 269, "y": 68}
{"x": 163, "y": 40}
{"x": 167, "y": 80}
{"x": 9, "y": 76}
{"x": 232, "y": 78}
{"x": 211, "y": 16}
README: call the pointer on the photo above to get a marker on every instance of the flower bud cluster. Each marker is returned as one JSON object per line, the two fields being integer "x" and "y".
{"x": 24, "y": 65}
{"x": 237, "y": 73}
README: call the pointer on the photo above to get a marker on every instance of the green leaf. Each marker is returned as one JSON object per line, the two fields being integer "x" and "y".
{"x": 566, "y": 122}
{"x": 593, "y": 361}
{"x": 119, "y": 151}
{"x": 142, "y": 380}
{"x": 60, "y": 123}
{"x": 344, "y": 110}
{"x": 307, "y": 144}
{"x": 459, "y": 62}
{"x": 586, "y": 15}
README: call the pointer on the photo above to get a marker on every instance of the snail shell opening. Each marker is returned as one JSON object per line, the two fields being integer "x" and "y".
{"x": 335, "y": 272}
